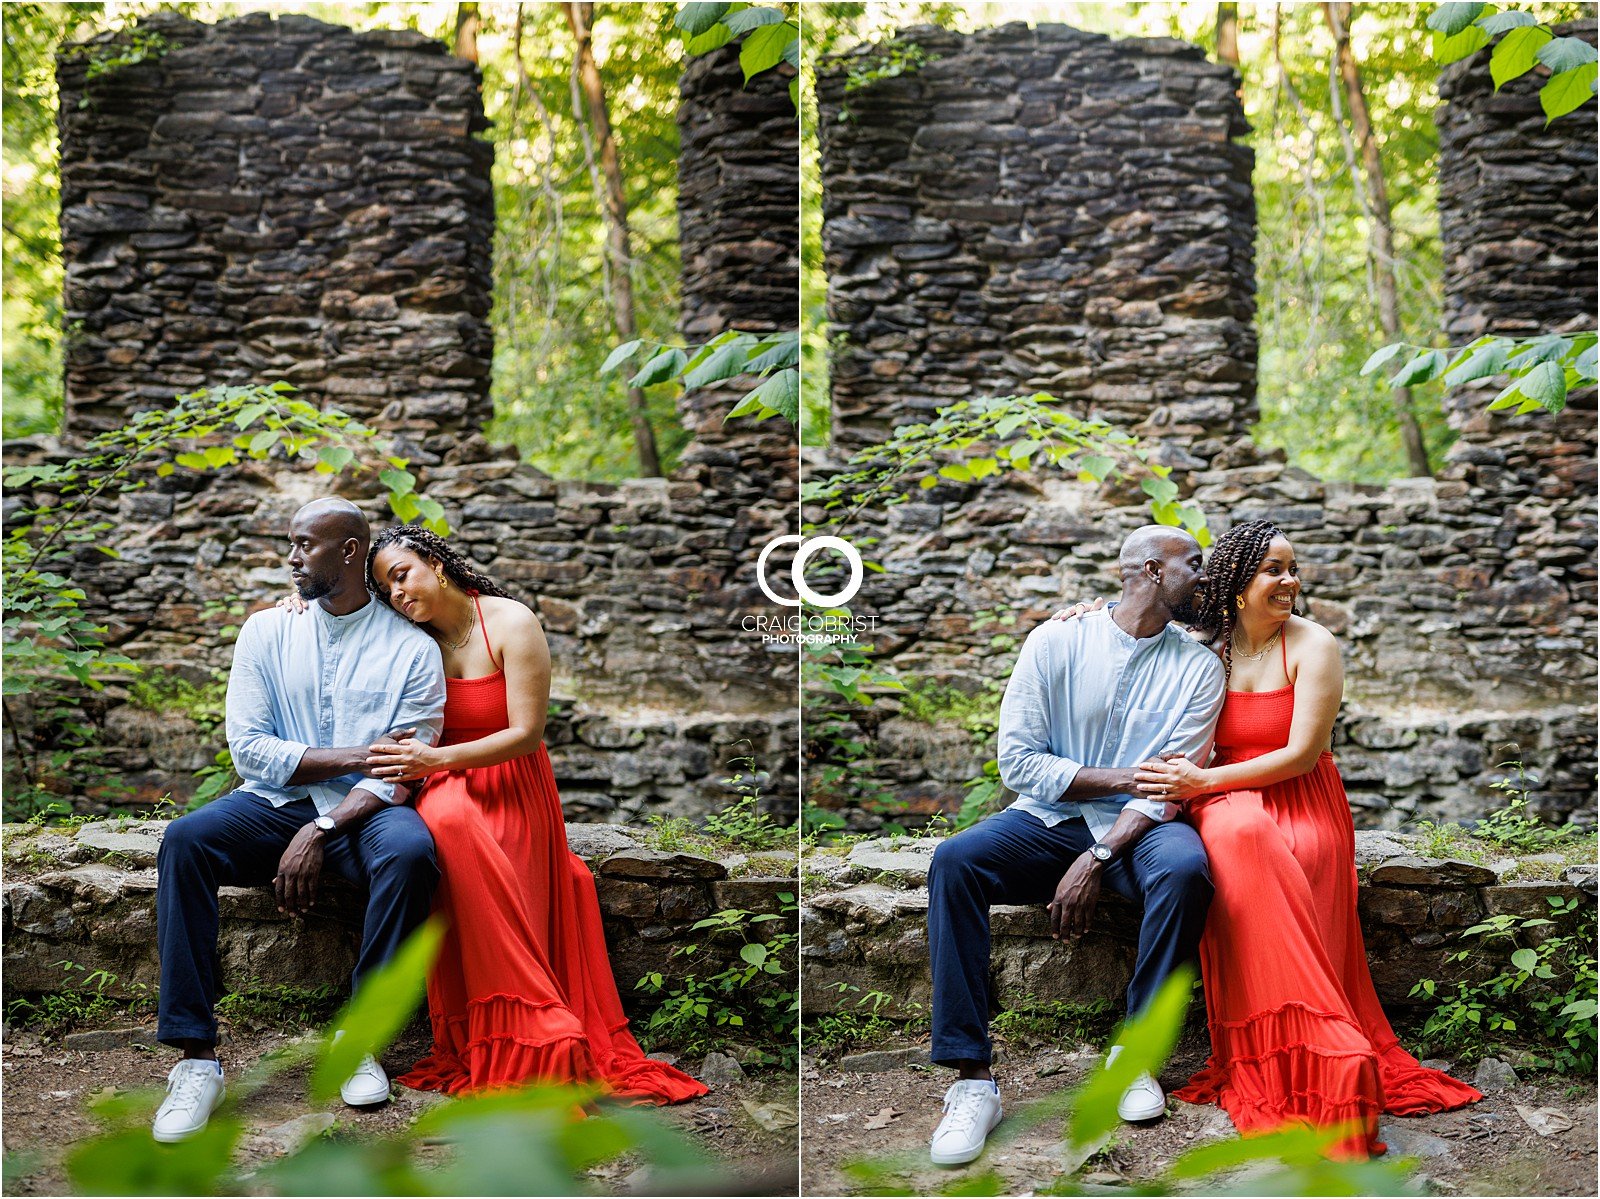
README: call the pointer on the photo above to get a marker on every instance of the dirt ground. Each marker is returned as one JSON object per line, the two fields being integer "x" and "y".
{"x": 1485, "y": 1149}
{"x": 46, "y": 1088}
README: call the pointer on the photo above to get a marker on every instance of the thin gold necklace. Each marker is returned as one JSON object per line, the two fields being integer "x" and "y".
{"x": 1260, "y": 653}
{"x": 472, "y": 623}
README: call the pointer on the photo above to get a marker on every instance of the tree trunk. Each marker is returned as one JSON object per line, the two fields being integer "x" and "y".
{"x": 467, "y": 21}
{"x": 618, "y": 242}
{"x": 1228, "y": 33}
{"x": 1380, "y": 223}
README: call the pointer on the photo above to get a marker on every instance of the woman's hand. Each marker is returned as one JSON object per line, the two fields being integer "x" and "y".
{"x": 292, "y": 603}
{"x": 1174, "y": 779}
{"x": 402, "y": 760}
{"x": 1078, "y": 610}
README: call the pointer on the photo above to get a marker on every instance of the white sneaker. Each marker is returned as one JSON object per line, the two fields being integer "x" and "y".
{"x": 1144, "y": 1099}
{"x": 971, "y": 1110}
{"x": 368, "y": 1085}
{"x": 194, "y": 1088}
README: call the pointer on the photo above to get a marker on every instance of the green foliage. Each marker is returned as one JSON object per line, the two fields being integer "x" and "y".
{"x": 746, "y": 826}
{"x": 30, "y": 186}
{"x": 984, "y": 796}
{"x": 1546, "y": 992}
{"x": 838, "y": 677}
{"x": 740, "y": 827}
{"x": 1057, "y": 1023}
{"x": 1541, "y": 370}
{"x": 1461, "y": 30}
{"x": 276, "y": 1007}
{"x": 214, "y": 780}
{"x": 858, "y": 1019}
{"x": 107, "y": 58}
{"x": 162, "y": 691}
{"x": 902, "y": 56}
{"x": 530, "y": 1141}
{"x": 53, "y": 646}
{"x": 1004, "y": 433}
{"x": 771, "y": 358}
{"x": 84, "y": 1002}
{"x": 752, "y": 996}
{"x": 934, "y": 703}
{"x": 771, "y": 36}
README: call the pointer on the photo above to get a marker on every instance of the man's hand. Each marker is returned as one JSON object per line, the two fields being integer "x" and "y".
{"x": 1174, "y": 778}
{"x": 1077, "y": 894}
{"x": 299, "y": 872}
{"x": 404, "y": 761}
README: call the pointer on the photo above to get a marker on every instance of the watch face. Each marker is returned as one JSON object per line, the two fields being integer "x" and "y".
{"x": 1101, "y": 853}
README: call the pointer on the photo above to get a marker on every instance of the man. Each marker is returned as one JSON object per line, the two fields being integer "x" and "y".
{"x": 1088, "y": 701}
{"x": 308, "y": 696}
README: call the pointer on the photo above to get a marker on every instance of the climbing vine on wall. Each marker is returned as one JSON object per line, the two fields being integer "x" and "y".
{"x": 53, "y": 644}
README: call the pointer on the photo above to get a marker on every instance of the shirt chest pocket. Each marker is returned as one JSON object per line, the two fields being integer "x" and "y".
{"x": 1144, "y": 732}
{"x": 360, "y": 717}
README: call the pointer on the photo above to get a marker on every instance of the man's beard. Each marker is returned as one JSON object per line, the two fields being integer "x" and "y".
{"x": 1185, "y": 612}
{"x": 314, "y": 587}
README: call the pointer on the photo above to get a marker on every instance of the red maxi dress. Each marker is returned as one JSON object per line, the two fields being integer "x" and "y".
{"x": 522, "y": 991}
{"x": 1297, "y": 1033}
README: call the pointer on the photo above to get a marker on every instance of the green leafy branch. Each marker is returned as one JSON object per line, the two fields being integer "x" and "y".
{"x": 1542, "y": 370}
{"x": 770, "y": 37}
{"x": 50, "y": 641}
{"x": 773, "y": 358}
{"x": 1012, "y": 433}
{"x": 1461, "y": 30}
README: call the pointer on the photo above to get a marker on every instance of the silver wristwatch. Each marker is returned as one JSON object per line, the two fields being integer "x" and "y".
{"x": 326, "y": 824}
{"x": 1100, "y": 853}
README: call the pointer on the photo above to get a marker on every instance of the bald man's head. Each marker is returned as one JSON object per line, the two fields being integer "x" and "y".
{"x": 1161, "y": 566}
{"x": 1152, "y": 543}
{"x": 328, "y": 541}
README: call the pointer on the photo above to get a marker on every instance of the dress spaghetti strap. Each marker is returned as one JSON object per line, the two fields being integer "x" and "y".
{"x": 1283, "y": 645}
{"x": 493, "y": 661}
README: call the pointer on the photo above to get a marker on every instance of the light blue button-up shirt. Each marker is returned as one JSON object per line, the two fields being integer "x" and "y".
{"x": 1085, "y": 693}
{"x": 314, "y": 680}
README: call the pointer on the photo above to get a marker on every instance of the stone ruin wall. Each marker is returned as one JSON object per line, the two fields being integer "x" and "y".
{"x": 283, "y": 198}
{"x": 1049, "y": 209}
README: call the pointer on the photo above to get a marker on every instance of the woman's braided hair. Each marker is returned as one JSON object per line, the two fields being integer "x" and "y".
{"x": 427, "y": 545}
{"x": 1235, "y": 558}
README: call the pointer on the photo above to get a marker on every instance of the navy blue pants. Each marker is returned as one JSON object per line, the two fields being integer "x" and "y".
{"x": 1013, "y": 857}
{"x": 237, "y": 841}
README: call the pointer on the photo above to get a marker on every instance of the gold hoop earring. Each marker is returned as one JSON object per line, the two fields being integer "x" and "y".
{"x": 443, "y": 582}
{"x": 1238, "y": 602}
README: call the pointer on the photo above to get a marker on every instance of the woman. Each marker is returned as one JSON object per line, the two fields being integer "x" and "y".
{"x": 522, "y": 991}
{"x": 1297, "y": 1033}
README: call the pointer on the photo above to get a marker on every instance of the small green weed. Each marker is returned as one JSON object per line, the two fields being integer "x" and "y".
{"x": 753, "y": 995}
{"x": 1547, "y": 992}
{"x": 60, "y": 1012}
{"x": 279, "y": 1006}
{"x": 1057, "y": 1023}
{"x": 858, "y": 1019}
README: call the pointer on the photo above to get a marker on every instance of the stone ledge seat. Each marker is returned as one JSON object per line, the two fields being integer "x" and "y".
{"x": 864, "y": 923}
{"x": 87, "y": 896}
